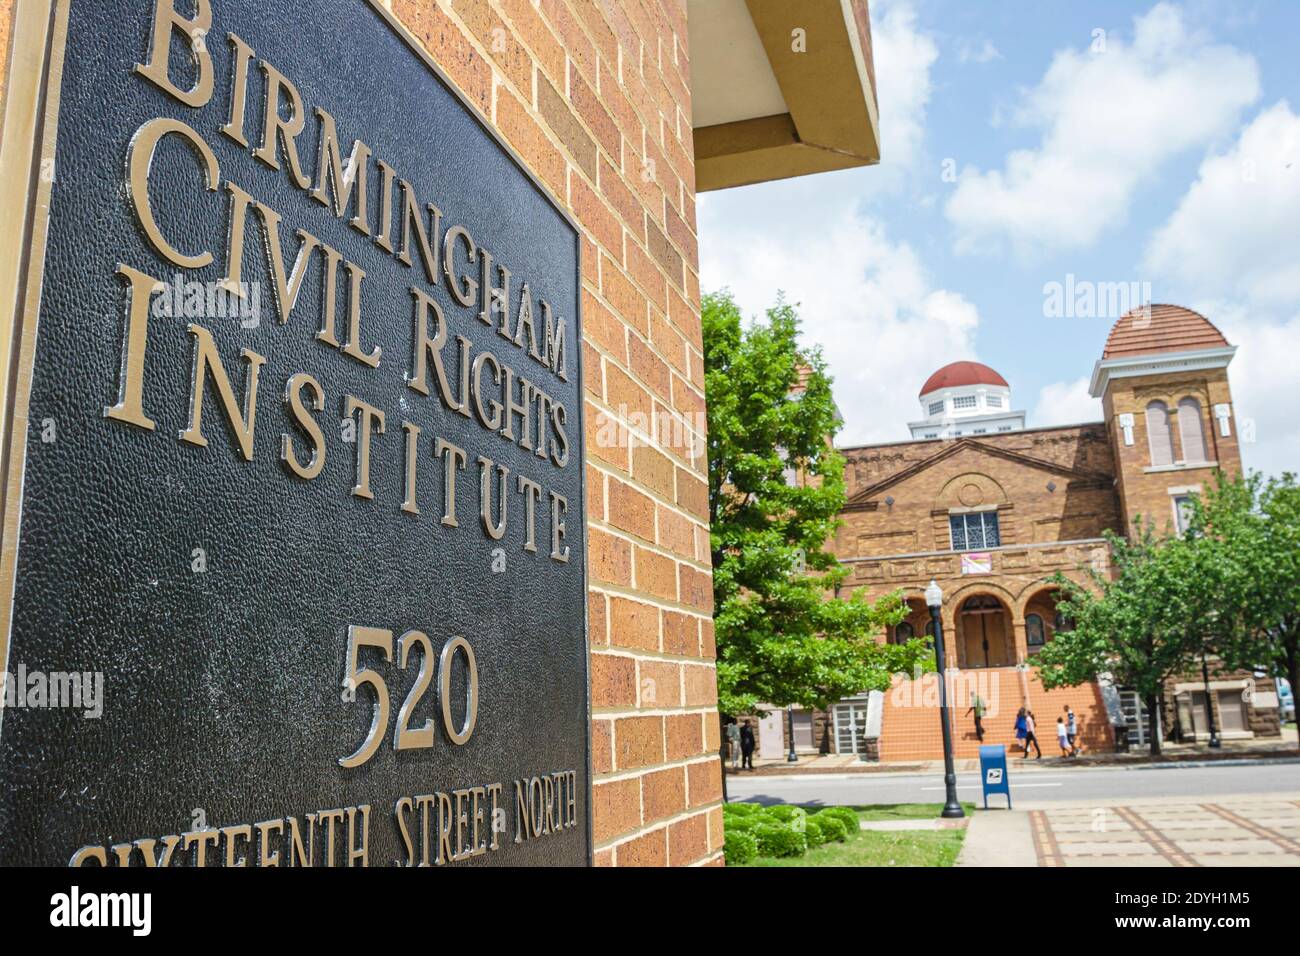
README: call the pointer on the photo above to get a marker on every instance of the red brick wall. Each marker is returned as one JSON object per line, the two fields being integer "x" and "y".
{"x": 595, "y": 97}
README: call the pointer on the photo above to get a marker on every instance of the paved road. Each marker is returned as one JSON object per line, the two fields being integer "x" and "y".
{"x": 1031, "y": 787}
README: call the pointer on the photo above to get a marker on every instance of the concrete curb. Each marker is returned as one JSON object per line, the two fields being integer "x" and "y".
{"x": 1054, "y": 765}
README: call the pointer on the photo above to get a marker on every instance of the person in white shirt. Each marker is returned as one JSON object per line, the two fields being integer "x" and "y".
{"x": 1062, "y": 739}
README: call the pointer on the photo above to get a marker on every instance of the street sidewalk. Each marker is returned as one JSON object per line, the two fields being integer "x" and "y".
{"x": 1285, "y": 747}
{"x": 1238, "y": 830}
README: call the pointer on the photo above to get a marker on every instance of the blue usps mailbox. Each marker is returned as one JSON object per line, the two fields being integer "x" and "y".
{"x": 993, "y": 772}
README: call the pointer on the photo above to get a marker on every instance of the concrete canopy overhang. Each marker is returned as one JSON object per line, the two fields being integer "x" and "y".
{"x": 780, "y": 89}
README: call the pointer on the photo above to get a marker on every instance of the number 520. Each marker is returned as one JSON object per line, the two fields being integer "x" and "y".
{"x": 407, "y": 737}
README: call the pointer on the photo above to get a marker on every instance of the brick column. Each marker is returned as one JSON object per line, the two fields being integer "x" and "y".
{"x": 595, "y": 98}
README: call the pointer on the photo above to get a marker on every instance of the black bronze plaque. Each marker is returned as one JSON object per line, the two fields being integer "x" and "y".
{"x": 294, "y": 562}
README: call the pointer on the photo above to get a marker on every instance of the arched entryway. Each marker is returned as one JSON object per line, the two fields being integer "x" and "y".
{"x": 984, "y": 632}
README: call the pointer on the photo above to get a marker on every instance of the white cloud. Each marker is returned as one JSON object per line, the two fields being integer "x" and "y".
{"x": 1263, "y": 379}
{"x": 1232, "y": 249}
{"x": 975, "y": 51}
{"x": 868, "y": 302}
{"x": 1108, "y": 120}
{"x": 1237, "y": 229}
{"x": 1065, "y": 403}
{"x": 903, "y": 58}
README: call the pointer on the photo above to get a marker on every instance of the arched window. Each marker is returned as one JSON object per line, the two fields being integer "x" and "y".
{"x": 929, "y": 629}
{"x": 903, "y": 632}
{"x": 1191, "y": 431}
{"x": 1158, "y": 434}
{"x": 1035, "y": 632}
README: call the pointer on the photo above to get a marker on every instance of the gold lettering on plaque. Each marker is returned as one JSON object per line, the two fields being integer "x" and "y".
{"x": 329, "y": 166}
{"x": 524, "y": 323}
{"x": 231, "y": 833}
{"x": 404, "y": 806}
{"x": 293, "y": 398}
{"x": 287, "y": 285}
{"x": 242, "y": 423}
{"x": 444, "y": 829}
{"x": 359, "y": 853}
{"x": 428, "y": 247}
{"x": 277, "y": 129}
{"x": 558, "y": 507}
{"x": 555, "y": 352}
{"x": 464, "y": 288}
{"x": 412, "y": 438}
{"x": 353, "y": 346}
{"x": 454, "y": 459}
{"x": 370, "y": 416}
{"x": 445, "y": 660}
{"x": 139, "y": 160}
{"x": 495, "y": 530}
{"x": 234, "y": 128}
{"x": 168, "y": 23}
{"x": 267, "y": 856}
{"x": 430, "y": 348}
{"x": 532, "y": 493}
{"x": 129, "y": 407}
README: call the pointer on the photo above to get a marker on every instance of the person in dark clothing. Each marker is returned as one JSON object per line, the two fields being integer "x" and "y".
{"x": 1031, "y": 738}
{"x": 747, "y": 746}
{"x": 977, "y": 708}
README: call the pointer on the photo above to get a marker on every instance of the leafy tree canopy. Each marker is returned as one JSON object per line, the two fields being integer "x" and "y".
{"x": 776, "y": 486}
{"x": 1227, "y": 589}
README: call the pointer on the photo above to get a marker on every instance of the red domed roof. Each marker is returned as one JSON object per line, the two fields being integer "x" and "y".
{"x": 1162, "y": 328}
{"x": 958, "y": 374}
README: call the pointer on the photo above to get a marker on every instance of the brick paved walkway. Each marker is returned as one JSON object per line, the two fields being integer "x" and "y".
{"x": 1235, "y": 831}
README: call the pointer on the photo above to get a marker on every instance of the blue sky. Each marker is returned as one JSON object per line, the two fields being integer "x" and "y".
{"x": 1023, "y": 143}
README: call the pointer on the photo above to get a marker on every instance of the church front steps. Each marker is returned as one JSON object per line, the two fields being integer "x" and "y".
{"x": 910, "y": 728}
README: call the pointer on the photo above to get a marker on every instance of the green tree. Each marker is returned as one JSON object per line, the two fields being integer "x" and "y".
{"x": 1145, "y": 621}
{"x": 1252, "y": 527}
{"x": 783, "y": 634}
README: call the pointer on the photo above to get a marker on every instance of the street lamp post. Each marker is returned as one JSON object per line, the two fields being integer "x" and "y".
{"x": 791, "y": 757}
{"x": 951, "y": 807}
{"x": 1209, "y": 705}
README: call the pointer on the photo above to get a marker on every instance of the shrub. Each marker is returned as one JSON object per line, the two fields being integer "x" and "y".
{"x": 832, "y": 828}
{"x": 739, "y": 847}
{"x": 776, "y": 840}
{"x": 785, "y": 813}
{"x": 745, "y": 823}
{"x": 814, "y": 832}
{"x": 740, "y": 809}
{"x": 846, "y": 816}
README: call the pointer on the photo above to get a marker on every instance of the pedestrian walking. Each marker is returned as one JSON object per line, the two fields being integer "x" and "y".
{"x": 1072, "y": 730}
{"x": 733, "y": 744}
{"x": 1062, "y": 739}
{"x": 747, "y": 746}
{"x": 1021, "y": 730}
{"x": 1031, "y": 739}
{"x": 977, "y": 708}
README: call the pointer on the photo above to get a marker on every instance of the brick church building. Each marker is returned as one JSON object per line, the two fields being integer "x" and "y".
{"x": 991, "y": 509}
